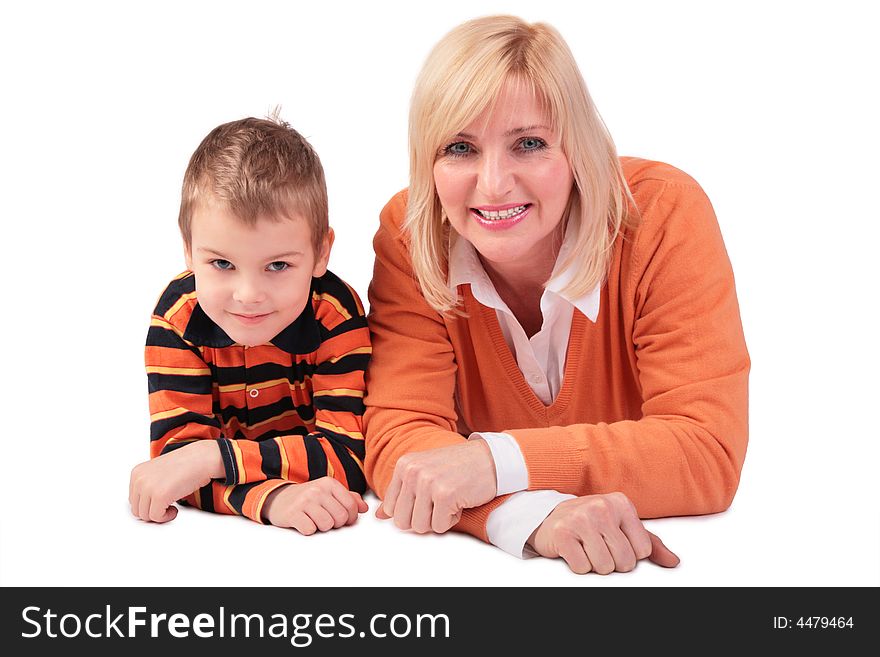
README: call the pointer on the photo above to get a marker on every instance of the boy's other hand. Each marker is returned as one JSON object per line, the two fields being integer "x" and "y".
{"x": 157, "y": 484}
{"x": 318, "y": 505}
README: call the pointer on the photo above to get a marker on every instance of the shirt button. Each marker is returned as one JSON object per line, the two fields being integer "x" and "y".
{"x": 536, "y": 378}
{"x": 254, "y": 392}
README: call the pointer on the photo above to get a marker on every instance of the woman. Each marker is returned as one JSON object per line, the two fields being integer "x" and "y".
{"x": 557, "y": 347}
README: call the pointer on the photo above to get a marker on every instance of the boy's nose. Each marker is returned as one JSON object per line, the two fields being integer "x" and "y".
{"x": 247, "y": 292}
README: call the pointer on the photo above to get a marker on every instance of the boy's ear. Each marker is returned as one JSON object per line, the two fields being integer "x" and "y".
{"x": 324, "y": 256}
{"x": 187, "y": 255}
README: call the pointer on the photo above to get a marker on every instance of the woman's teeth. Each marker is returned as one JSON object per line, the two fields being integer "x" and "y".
{"x": 498, "y": 215}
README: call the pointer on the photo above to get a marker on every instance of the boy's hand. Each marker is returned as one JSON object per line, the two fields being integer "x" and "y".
{"x": 158, "y": 483}
{"x": 317, "y": 505}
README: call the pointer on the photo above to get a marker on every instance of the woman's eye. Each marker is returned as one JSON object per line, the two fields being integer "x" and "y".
{"x": 222, "y": 265}
{"x": 532, "y": 144}
{"x": 457, "y": 149}
{"x": 278, "y": 266}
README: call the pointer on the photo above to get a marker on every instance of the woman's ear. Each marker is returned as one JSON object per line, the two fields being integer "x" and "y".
{"x": 324, "y": 256}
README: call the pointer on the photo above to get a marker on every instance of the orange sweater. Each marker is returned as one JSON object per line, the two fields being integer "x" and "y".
{"x": 654, "y": 402}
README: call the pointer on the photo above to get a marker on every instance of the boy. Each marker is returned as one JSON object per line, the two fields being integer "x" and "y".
{"x": 256, "y": 354}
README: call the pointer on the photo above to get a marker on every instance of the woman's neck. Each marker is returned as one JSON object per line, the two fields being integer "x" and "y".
{"x": 524, "y": 278}
{"x": 521, "y": 286}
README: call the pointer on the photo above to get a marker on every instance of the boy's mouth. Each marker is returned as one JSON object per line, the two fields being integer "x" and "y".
{"x": 250, "y": 318}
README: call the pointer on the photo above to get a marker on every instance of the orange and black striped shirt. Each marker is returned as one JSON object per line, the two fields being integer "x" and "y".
{"x": 287, "y": 411}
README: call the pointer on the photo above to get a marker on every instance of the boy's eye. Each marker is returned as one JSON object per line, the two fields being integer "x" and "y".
{"x": 278, "y": 266}
{"x": 221, "y": 264}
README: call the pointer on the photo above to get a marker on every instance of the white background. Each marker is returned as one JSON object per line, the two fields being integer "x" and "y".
{"x": 771, "y": 106}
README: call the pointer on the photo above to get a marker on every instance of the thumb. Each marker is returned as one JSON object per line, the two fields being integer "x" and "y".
{"x": 662, "y": 555}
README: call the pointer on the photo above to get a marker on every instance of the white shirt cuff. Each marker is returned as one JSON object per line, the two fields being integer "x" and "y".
{"x": 510, "y": 525}
{"x": 511, "y": 472}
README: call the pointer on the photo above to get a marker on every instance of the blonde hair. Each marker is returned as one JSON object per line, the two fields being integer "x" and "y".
{"x": 463, "y": 75}
{"x": 257, "y": 168}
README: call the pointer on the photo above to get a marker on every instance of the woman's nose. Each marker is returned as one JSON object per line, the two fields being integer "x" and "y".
{"x": 495, "y": 176}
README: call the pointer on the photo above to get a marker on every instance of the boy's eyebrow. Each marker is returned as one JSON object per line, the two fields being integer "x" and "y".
{"x": 289, "y": 254}
{"x": 216, "y": 253}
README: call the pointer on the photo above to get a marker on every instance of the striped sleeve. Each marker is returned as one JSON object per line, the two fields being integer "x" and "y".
{"x": 336, "y": 447}
{"x": 240, "y": 499}
{"x": 180, "y": 383}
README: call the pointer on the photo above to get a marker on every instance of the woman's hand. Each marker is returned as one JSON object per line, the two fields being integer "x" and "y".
{"x": 430, "y": 489}
{"x": 599, "y": 533}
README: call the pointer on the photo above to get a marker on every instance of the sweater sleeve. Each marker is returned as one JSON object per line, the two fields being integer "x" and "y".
{"x": 336, "y": 447}
{"x": 684, "y": 456}
{"x": 411, "y": 380}
{"x": 180, "y": 389}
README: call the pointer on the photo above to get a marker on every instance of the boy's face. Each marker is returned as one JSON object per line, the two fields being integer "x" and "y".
{"x": 252, "y": 281}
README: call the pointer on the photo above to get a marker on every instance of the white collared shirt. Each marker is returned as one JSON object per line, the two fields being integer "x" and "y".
{"x": 541, "y": 359}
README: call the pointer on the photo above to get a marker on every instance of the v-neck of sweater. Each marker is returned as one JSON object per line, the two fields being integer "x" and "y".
{"x": 488, "y": 319}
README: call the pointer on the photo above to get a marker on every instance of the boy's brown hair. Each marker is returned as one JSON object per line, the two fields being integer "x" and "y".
{"x": 258, "y": 168}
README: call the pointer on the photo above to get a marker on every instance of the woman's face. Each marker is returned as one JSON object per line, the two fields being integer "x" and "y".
{"x": 504, "y": 182}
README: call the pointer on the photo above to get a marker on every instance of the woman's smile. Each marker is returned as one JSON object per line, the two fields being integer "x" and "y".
{"x": 500, "y": 219}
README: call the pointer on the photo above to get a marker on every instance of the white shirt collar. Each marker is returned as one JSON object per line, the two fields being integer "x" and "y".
{"x": 465, "y": 268}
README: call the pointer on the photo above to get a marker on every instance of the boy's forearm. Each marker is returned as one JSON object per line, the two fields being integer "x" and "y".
{"x": 267, "y": 505}
{"x": 206, "y": 461}
{"x": 213, "y": 462}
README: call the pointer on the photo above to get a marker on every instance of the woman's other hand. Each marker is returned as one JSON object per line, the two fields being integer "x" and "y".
{"x": 430, "y": 489}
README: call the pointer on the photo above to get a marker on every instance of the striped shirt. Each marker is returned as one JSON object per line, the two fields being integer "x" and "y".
{"x": 287, "y": 411}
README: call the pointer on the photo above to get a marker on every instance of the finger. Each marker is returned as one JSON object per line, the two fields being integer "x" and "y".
{"x": 597, "y": 552}
{"x": 135, "y": 504}
{"x": 338, "y": 512}
{"x": 380, "y": 513}
{"x": 572, "y": 551}
{"x": 159, "y": 511}
{"x": 362, "y": 506}
{"x": 391, "y": 495}
{"x": 144, "y": 508}
{"x": 348, "y": 502}
{"x": 443, "y": 520}
{"x": 423, "y": 510}
{"x": 662, "y": 555}
{"x": 621, "y": 551}
{"x": 169, "y": 515}
{"x": 323, "y": 520}
{"x": 303, "y": 524}
{"x": 403, "y": 507}
{"x": 637, "y": 535}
